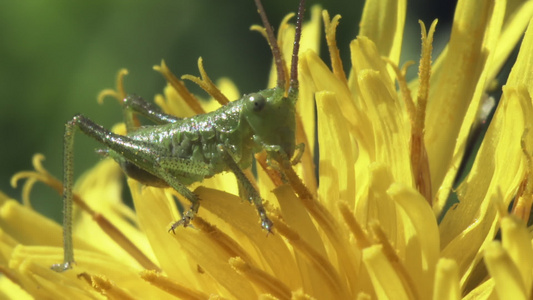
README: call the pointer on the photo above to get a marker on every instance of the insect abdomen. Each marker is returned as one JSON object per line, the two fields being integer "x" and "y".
{"x": 137, "y": 173}
{"x": 196, "y": 140}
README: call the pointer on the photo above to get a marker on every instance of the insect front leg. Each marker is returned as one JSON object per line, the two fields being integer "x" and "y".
{"x": 135, "y": 104}
{"x": 277, "y": 158}
{"x": 184, "y": 191}
{"x": 249, "y": 190}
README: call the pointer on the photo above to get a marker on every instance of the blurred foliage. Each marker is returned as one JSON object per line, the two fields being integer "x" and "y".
{"x": 55, "y": 56}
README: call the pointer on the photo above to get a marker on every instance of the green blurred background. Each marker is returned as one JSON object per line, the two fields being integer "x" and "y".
{"x": 55, "y": 56}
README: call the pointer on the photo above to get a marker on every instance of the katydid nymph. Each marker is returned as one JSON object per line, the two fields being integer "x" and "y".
{"x": 176, "y": 152}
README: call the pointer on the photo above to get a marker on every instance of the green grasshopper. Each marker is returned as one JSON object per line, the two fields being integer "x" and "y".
{"x": 177, "y": 152}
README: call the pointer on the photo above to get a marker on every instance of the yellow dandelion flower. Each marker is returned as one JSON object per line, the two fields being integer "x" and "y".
{"x": 374, "y": 223}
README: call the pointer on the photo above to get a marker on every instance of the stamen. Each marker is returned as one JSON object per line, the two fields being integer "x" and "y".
{"x": 26, "y": 191}
{"x": 263, "y": 32}
{"x": 264, "y": 281}
{"x": 28, "y": 185}
{"x": 105, "y": 286}
{"x": 223, "y": 240}
{"x": 386, "y": 282}
{"x": 323, "y": 267}
{"x": 116, "y": 235}
{"x": 259, "y": 29}
{"x": 326, "y": 222}
{"x": 330, "y": 27}
{"x": 419, "y": 160}
{"x": 390, "y": 253}
{"x": 164, "y": 283}
{"x": 424, "y": 73}
{"x": 42, "y": 175}
{"x": 282, "y": 27}
{"x": 261, "y": 158}
{"x": 180, "y": 88}
{"x": 419, "y": 157}
{"x": 206, "y": 84}
{"x": 404, "y": 88}
{"x": 356, "y": 229}
{"x": 119, "y": 93}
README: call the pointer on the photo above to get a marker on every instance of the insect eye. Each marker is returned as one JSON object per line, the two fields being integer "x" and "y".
{"x": 257, "y": 101}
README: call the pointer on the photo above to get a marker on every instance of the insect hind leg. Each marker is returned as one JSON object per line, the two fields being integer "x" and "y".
{"x": 135, "y": 104}
{"x": 100, "y": 134}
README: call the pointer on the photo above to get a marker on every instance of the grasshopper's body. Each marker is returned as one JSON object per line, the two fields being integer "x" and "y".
{"x": 263, "y": 120}
{"x": 177, "y": 152}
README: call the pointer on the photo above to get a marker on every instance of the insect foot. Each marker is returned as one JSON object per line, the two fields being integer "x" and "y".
{"x": 62, "y": 267}
{"x": 265, "y": 222}
{"x": 185, "y": 221}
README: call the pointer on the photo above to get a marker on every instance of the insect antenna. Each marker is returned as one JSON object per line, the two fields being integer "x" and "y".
{"x": 293, "y": 88}
{"x": 273, "y": 44}
{"x": 293, "y": 84}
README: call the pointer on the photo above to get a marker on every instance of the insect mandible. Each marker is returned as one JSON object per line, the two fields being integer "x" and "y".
{"x": 177, "y": 152}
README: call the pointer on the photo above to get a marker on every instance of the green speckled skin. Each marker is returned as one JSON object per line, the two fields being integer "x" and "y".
{"x": 194, "y": 141}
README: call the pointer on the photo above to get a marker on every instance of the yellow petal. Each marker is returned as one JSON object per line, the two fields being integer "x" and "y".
{"x": 446, "y": 281}
{"x": 365, "y": 55}
{"x": 213, "y": 260}
{"x": 498, "y": 43}
{"x": 171, "y": 287}
{"x": 521, "y": 73}
{"x": 517, "y": 17}
{"x": 101, "y": 188}
{"x": 243, "y": 218}
{"x": 483, "y": 291}
{"x": 517, "y": 243}
{"x": 11, "y": 290}
{"x": 507, "y": 279}
{"x": 337, "y": 161}
{"x": 32, "y": 266}
{"x": 421, "y": 236}
{"x": 383, "y": 22}
{"x": 390, "y": 125}
{"x": 20, "y": 222}
{"x": 325, "y": 80}
{"x": 261, "y": 279}
{"x": 497, "y": 169}
{"x": 450, "y": 94}
{"x": 153, "y": 212}
{"x": 297, "y": 217}
{"x": 386, "y": 283}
